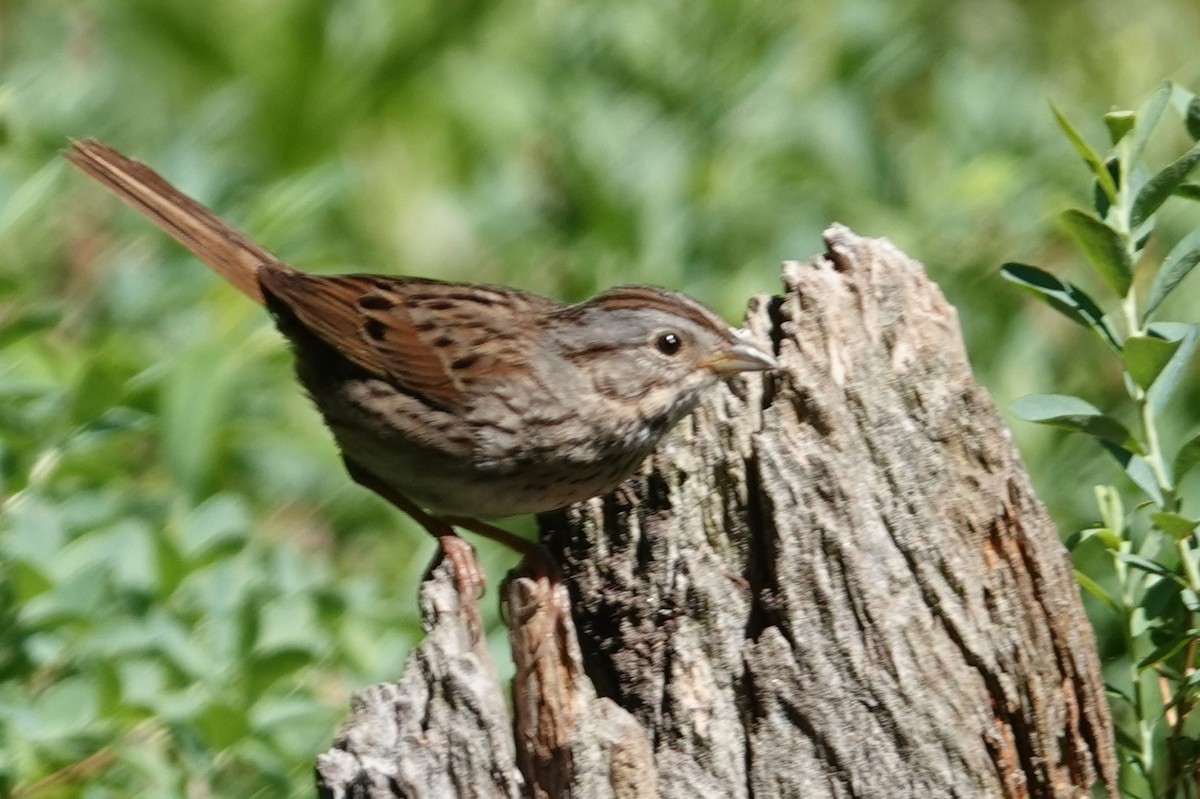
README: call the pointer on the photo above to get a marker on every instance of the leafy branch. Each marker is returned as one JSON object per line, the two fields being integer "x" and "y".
{"x": 1152, "y": 582}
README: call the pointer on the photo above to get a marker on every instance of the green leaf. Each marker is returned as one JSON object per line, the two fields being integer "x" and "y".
{"x": 1119, "y": 123}
{"x": 1191, "y": 117}
{"x": 1112, "y": 510}
{"x": 1072, "y": 413}
{"x": 1095, "y": 589}
{"x": 194, "y": 408}
{"x": 1064, "y": 297}
{"x": 1188, "y": 191}
{"x": 1161, "y": 601}
{"x": 1174, "y": 525}
{"x": 170, "y": 565}
{"x": 1141, "y": 234}
{"x": 1090, "y": 156}
{"x": 1163, "y": 387}
{"x": 1175, "y": 267}
{"x": 1163, "y": 652}
{"x": 26, "y": 322}
{"x": 1117, "y": 697}
{"x": 1161, "y": 186}
{"x": 291, "y": 724}
{"x": 1146, "y": 356}
{"x": 1136, "y": 469}
{"x": 1146, "y": 565}
{"x": 265, "y": 670}
{"x": 1148, "y": 116}
{"x": 1187, "y": 457}
{"x": 215, "y": 528}
{"x": 1104, "y": 248}
{"x": 67, "y": 707}
{"x": 222, "y": 724}
{"x": 1106, "y": 536}
{"x": 1100, "y": 202}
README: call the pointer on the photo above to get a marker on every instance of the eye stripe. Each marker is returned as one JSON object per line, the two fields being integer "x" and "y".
{"x": 641, "y": 297}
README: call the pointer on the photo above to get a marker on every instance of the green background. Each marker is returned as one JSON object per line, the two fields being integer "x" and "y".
{"x": 190, "y": 587}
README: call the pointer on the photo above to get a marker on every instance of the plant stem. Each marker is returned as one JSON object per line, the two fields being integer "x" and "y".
{"x": 1154, "y": 457}
{"x": 1133, "y": 327}
{"x": 1145, "y": 727}
{"x": 1154, "y": 454}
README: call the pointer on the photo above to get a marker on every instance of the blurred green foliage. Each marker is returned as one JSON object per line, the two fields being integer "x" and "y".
{"x": 189, "y": 586}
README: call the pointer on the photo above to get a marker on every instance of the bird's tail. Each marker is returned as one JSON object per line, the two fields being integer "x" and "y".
{"x": 220, "y": 245}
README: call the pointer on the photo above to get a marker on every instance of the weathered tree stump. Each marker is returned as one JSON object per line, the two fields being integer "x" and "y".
{"x": 832, "y": 582}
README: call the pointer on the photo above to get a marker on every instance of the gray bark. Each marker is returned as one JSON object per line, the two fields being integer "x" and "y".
{"x": 834, "y": 582}
{"x": 443, "y": 729}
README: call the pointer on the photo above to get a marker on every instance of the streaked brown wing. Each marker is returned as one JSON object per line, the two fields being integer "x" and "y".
{"x": 428, "y": 337}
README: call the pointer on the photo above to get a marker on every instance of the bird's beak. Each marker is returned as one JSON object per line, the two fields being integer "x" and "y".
{"x": 740, "y": 357}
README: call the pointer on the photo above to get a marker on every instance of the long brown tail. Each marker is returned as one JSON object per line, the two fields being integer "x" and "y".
{"x": 220, "y": 245}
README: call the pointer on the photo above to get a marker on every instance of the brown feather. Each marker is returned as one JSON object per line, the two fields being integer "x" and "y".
{"x": 367, "y": 326}
{"x": 220, "y": 245}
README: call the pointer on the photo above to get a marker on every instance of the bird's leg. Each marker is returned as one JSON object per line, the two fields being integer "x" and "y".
{"x": 538, "y": 557}
{"x": 469, "y": 576}
{"x": 553, "y": 603}
{"x": 543, "y": 619}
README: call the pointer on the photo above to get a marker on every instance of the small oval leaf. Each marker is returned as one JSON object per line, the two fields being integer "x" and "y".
{"x": 1161, "y": 186}
{"x": 1187, "y": 457}
{"x": 1090, "y": 156}
{"x": 1163, "y": 387}
{"x": 1039, "y": 407}
{"x": 1175, "y": 267}
{"x": 1072, "y": 413}
{"x": 1107, "y": 537}
{"x": 1146, "y": 565}
{"x": 1064, "y": 297}
{"x": 1104, "y": 248}
{"x": 1174, "y": 525}
{"x": 1188, "y": 191}
{"x": 1146, "y": 356}
{"x": 1148, "y": 116}
{"x": 1136, "y": 469}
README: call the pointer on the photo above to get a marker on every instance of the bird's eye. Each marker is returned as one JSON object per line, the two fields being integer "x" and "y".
{"x": 668, "y": 343}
